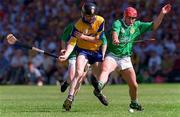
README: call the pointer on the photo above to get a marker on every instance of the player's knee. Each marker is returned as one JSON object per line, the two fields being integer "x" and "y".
{"x": 71, "y": 77}
{"x": 79, "y": 73}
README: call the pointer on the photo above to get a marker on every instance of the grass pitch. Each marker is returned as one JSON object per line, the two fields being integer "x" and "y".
{"x": 159, "y": 100}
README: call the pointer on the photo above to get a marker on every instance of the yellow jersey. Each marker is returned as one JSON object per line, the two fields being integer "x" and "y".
{"x": 91, "y": 30}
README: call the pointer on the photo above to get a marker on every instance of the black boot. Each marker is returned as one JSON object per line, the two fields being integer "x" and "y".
{"x": 136, "y": 106}
{"x": 102, "y": 98}
{"x": 64, "y": 86}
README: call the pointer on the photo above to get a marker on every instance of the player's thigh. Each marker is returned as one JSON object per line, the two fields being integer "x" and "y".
{"x": 80, "y": 64}
{"x": 129, "y": 76}
{"x": 72, "y": 67}
{"x": 109, "y": 64}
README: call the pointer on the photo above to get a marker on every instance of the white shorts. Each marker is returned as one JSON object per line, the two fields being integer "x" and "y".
{"x": 122, "y": 63}
{"x": 72, "y": 61}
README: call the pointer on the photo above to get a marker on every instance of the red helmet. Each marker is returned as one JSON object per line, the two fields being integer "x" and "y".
{"x": 130, "y": 12}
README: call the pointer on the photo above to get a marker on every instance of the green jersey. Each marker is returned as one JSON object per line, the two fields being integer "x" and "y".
{"x": 125, "y": 34}
{"x": 103, "y": 38}
{"x": 66, "y": 36}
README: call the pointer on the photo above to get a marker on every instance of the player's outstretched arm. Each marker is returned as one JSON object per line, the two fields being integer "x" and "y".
{"x": 166, "y": 9}
{"x": 66, "y": 54}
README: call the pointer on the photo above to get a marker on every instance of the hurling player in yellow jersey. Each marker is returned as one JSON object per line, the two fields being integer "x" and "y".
{"x": 86, "y": 36}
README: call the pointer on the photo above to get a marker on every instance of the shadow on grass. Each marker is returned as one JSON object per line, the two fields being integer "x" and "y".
{"x": 45, "y": 110}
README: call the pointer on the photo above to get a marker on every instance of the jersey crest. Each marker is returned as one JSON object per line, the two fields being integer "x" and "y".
{"x": 132, "y": 30}
{"x": 122, "y": 30}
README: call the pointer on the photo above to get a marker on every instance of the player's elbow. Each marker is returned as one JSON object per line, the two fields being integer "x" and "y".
{"x": 155, "y": 28}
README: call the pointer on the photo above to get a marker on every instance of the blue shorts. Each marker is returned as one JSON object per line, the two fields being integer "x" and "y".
{"x": 92, "y": 56}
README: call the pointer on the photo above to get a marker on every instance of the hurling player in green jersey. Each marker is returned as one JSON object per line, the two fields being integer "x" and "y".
{"x": 125, "y": 30}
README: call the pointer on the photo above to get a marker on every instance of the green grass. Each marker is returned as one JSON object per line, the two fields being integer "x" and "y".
{"x": 161, "y": 100}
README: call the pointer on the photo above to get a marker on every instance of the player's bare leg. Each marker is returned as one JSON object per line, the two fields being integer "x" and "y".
{"x": 82, "y": 78}
{"x": 108, "y": 66}
{"x": 130, "y": 77}
{"x": 71, "y": 72}
{"x": 99, "y": 85}
{"x": 80, "y": 64}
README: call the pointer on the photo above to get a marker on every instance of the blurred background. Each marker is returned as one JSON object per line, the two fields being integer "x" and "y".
{"x": 41, "y": 23}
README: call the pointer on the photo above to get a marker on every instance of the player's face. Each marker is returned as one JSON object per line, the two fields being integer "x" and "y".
{"x": 89, "y": 18}
{"x": 130, "y": 20}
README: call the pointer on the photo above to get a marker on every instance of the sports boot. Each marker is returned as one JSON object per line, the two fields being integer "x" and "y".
{"x": 64, "y": 86}
{"x": 67, "y": 104}
{"x": 102, "y": 98}
{"x": 136, "y": 106}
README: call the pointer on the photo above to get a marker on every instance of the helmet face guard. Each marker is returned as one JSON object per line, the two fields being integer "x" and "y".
{"x": 88, "y": 12}
{"x": 88, "y": 18}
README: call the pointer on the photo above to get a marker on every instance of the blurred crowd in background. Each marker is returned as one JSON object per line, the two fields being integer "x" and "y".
{"x": 41, "y": 23}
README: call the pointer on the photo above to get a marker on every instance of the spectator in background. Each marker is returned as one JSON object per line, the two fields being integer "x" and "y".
{"x": 144, "y": 77}
{"x": 18, "y": 62}
{"x": 167, "y": 64}
{"x": 175, "y": 74}
{"x": 49, "y": 69}
{"x": 33, "y": 75}
{"x": 4, "y": 68}
{"x": 38, "y": 60}
{"x": 154, "y": 64}
{"x": 169, "y": 43}
{"x": 154, "y": 46}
